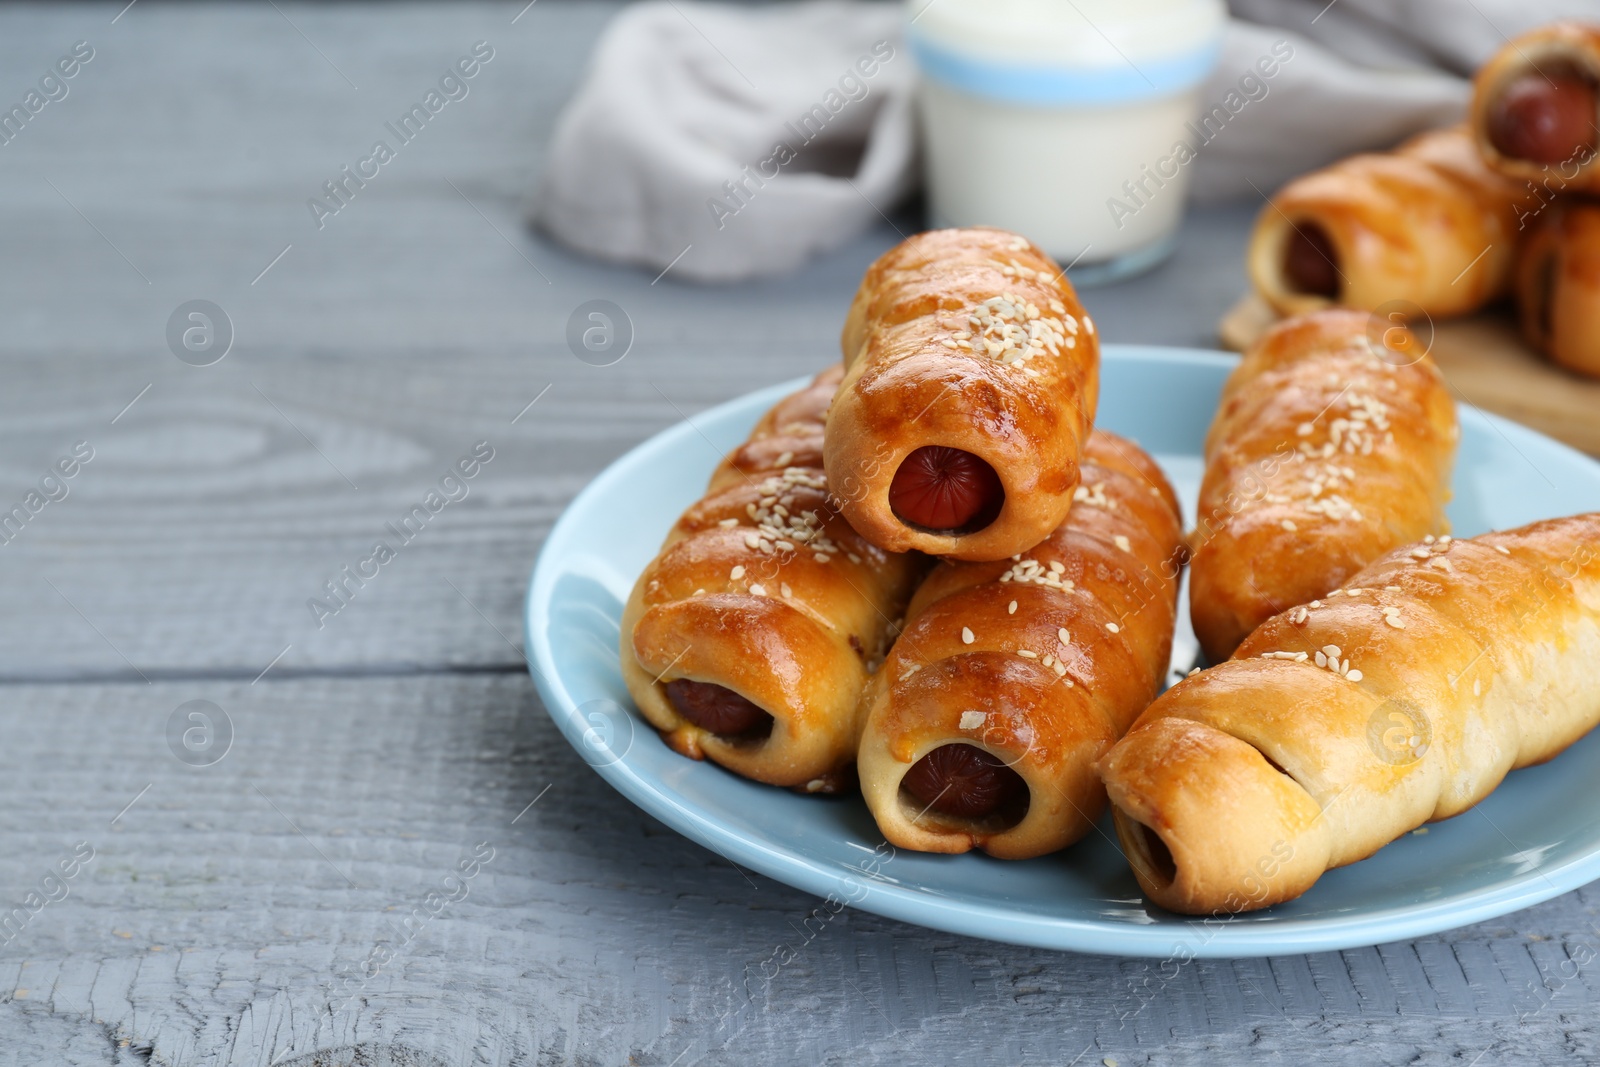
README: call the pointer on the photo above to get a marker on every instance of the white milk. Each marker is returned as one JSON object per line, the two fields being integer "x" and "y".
{"x": 1064, "y": 121}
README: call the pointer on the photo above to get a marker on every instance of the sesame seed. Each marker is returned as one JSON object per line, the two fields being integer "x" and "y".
{"x": 1322, "y": 660}
{"x": 1354, "y": 676}
{"x": 967, "y": 636}
{"x": 728, "y": 522}
{"x": 1300, "y": 616}
{"x": 698, "y": 592}
{"x": 785, "y": 459}
{"x": 1012, "y": 609}
{"x": 971, "y": 720}
{"x": 758, "y": 589}
{"x": 1060, "y": 669}
{"x": 1027, "y": 653}
{"x": 1391, "y": 589}
{"x": 736, "y": 573}
{"x": 1047, "y": 660}
{"x": 785, "y": 590}
{"x": 1428, "y": 540}
{"x": 1316, "y": 603}
{"x": 1113, "y": 627}
{"x": 1334, "y": 651}
{"x": 1192, "y": 672}
{"x": 1396, "y": 621}
{"x": 1502, "y": 550}
{"x": 1122, "y": 543}
{"x": 1446, "y": 539}
{"x": 1066, "y": 638}
{"x": 1288, "y": 524}
{"x": 1056, "y": 567}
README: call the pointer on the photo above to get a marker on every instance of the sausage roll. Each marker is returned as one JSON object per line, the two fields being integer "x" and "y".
{"x": 971, "y": 381}
{"x": 1012, "y": 677}
{"x": 1332, "y": 444}
{"x": 1342, "y": 724}
{"x": 1536, "y": 106}
{"x": 749, "y": 638}
{"x": 1428, "y": 223}
{"x": 1558, "y": 286}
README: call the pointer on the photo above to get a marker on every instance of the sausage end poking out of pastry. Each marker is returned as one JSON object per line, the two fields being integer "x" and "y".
{"x": 750, "y": 636}
{"x": 972, "y": 378}
{"x": 1011, "y": 677}
{"x": 1535, "y": 108}
{"x": 1428, "y": 223}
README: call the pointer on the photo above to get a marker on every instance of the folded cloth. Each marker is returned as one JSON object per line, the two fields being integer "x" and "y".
{"x": 730, "y": 142}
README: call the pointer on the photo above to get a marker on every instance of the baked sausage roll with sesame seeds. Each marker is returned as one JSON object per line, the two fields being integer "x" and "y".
{"x": 1536, "y": 108}
{"x": 1013, "y": 676}
{"x": 1558, "y": 286}
{"x": 1429, "y": 224}
{"x": 749, "y": 638}
{"x": 1402, "y": 698}
{"x": 1332, "y": 444}
{"x": 971, "y": 381}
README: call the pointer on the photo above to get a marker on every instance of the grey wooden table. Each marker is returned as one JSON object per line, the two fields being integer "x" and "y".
{"x": 243, "y": 874}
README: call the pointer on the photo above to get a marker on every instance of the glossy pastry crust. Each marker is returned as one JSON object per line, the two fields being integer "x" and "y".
{"x": 1041, "y": 660}
{"x": 1332, "y": 444}
{"x": 1341, "y": 724}
{"x": 1428, "y": 224}
{"x": 1557, "y": 50}
{"x": 1558, "y": 286}
{"x": 761, "y": 587}
{"x": 971, "y": 339}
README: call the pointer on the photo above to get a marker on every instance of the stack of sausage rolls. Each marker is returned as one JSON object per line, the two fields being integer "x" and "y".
{"x": 1455, "y": 219}
{"x": 927, "y": 576}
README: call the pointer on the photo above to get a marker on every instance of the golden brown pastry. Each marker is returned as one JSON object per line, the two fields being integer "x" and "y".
{"x": 1558, "y": 286}
{"x": 971, "y": 381}
{"x": 1535, "y": 108}
{"x": 1012, "y": 677}
{"x": 1332, "y": 444}
{"x": 1342, "y": 724}
{"x": 748, "y": 639}
{"x": 1427, "y": 224}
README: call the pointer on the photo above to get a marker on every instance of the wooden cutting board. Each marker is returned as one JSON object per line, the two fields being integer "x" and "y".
{"x": 1487, "y": 365}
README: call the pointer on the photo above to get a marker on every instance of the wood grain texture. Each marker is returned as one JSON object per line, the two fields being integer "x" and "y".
{"x": 208, "y": 930}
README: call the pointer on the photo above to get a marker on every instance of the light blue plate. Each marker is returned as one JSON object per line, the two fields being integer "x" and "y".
{"x": 1535, "y": 837}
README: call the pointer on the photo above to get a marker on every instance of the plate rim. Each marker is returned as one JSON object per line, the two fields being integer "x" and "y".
{"x": 1166, "y": 936}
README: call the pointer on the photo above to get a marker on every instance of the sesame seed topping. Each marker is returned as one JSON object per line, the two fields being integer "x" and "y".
{"x": 785, "y": 459}
{"x": 1192, "y": 672}
{"x": 698, "y": 592}
{"x": 1061, "y": 633}
{"x": 758, "y": 589}
{"x": 785, "y": 590}
{"x": 1396, "y": 621}
{"x": 1288, "y": 524}
{"x": 971, "y": 720}
{"x": 1060, "y": 669}
{"x": 1502, "y": 550}
{"x": 736, "y": 573}
{"x": 1299, "y": 616}
{"x": 1333, "y": 650}
{"x": 1316, "y": 603}
{"x": 1048, "y": 659}
{"x": 1428, "y": 540}
{"x": 1113, "y": 627}
{"x": 967, "y": 636}
{"x": 1012, "y": 608}
{"x": 1027, "y": 653}
{"x": 1354, "y": 676}
{"x": 1122, "y": 543}
{"x": 728, "y": 522}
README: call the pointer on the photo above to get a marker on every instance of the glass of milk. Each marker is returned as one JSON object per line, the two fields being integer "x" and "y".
{"x": 1064, "y": 120}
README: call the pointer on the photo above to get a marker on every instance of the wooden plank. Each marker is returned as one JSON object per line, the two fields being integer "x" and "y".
{"x": 222, "y": 907}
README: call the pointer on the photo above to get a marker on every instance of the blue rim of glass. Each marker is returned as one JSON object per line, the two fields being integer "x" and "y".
{"x": 1046, "y": 86}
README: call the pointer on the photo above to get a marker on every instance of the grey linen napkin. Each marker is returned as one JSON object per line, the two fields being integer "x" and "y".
{"x": 725, "y": 142}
